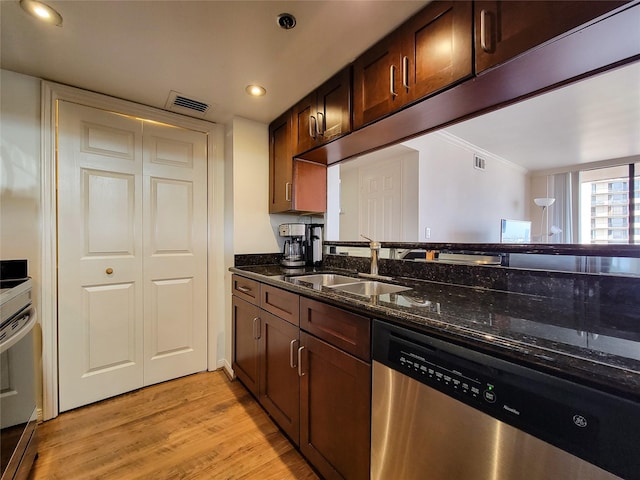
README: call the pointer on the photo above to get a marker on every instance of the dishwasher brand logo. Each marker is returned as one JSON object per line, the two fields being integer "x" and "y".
{"x": 580, "y": 421}
{"x": 511, "y": 409}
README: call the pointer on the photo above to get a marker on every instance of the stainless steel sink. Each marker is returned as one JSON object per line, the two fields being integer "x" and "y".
{"x": 323, "y": 279}
{"x": 369, "y": 288}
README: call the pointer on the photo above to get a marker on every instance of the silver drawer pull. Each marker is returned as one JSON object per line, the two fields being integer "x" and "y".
{"x": 243, "y": 289}
{"x": 292, "y": 357}
{"x": 392, "y": 80}
{"x": 256, "y": 328}
{"x": 300, "y": 372}
{"x": 483, "y": 30}
{"x": 405, "y": 72}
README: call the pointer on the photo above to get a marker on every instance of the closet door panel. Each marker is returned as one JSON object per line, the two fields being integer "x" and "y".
{"x": 175, "y": 236}
{"x": 100, "y": 290}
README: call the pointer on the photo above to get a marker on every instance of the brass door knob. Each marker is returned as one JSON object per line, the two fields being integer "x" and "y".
{"x": 109, "y": 271}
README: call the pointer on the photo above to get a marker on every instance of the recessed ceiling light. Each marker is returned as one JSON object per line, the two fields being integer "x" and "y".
{"x": 41, "y": 11}
{"x": 255, "y": 90}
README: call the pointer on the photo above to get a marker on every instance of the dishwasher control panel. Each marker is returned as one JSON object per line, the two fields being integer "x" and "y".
{"x": 447, "y": 377}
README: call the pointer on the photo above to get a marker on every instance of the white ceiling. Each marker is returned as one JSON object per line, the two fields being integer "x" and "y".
{"x": 206, "y": 50}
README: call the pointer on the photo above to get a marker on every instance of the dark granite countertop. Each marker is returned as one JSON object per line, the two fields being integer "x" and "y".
{"x": 589, "y": 342}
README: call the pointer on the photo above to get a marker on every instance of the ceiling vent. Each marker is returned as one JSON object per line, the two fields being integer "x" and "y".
{"x": 188, "y": 106}
{"x": 479, "y": 163}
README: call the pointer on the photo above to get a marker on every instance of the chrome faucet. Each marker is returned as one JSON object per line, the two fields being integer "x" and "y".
{"x": 375, "y": 251}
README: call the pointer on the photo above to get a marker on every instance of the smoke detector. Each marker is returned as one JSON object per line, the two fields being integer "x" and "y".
{"x": 286, "y": 21}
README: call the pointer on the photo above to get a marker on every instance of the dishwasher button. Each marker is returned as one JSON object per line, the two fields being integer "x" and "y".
{"x": 489, "y": 396}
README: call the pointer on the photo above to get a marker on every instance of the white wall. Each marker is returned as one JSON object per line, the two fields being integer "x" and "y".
{"x": 254, "y": 230}
{"x": 20, "y": 171}
{"x": 450, "y": 187}
{"x": 20, "y": 211}
{"x": 248, "y": 226}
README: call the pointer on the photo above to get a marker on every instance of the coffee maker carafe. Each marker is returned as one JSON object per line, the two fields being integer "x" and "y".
{"x": 293, "y": 252}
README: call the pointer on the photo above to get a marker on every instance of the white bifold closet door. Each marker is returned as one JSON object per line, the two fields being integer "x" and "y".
{"x": 132, "y": 251}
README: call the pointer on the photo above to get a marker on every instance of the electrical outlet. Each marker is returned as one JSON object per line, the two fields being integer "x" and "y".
{"x": 427, "y": 232}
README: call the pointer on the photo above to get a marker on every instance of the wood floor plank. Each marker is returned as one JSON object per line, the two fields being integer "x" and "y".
{"x": 198, "y": 427}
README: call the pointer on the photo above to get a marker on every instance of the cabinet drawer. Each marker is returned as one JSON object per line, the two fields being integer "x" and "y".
{"x": 246, "y": 289}
{"x": 281, "y": 303}
{"x": 345, "y": 330}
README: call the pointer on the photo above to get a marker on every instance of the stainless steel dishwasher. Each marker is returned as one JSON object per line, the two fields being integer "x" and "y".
{"x": 444, "y": 412}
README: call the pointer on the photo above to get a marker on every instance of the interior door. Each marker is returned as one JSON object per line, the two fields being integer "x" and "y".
{"x": 175, "y": 252}
{"x": 100, "y": 257}
{"x": 381, "y": 201}
{"x": 132, "y": 240}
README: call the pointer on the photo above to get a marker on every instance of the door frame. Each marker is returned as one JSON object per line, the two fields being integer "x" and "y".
{"x": 51, "y": 93}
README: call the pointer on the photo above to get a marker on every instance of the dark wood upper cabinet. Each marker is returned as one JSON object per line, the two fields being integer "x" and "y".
{"x": 294, "y": 185}
{"x": 324, "y": 114}
{"x": 280, "y": 164}
{"x": 504, "y": 29}
{"x": 437, "y": 48}
{"x": 376, "y": 81}
{"x": 429, "y": 52}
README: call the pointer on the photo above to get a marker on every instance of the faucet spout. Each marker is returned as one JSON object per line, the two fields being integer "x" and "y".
{"x": 375, "y": 251}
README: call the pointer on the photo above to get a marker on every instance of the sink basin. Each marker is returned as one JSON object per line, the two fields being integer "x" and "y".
{"x": 324, "y": 279}
{"x": 370, "y": 288}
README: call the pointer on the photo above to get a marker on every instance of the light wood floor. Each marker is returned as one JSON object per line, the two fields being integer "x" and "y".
{"x": 198, "y": 427}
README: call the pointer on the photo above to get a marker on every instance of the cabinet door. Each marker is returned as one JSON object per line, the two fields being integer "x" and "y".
{"x": 377, "y": 81}
{"x": 334, "y": 106}
{"x": 335, "y": 410}
{"x": 505, "y": 29}
{"x": 437, "y": 48}
{"x": 305, "y": 124}
{"x": 280, "y": 164}
{"x": 279, "y": 383}
{"x": 309, "y": 186}
{"x": 246, "y": 333}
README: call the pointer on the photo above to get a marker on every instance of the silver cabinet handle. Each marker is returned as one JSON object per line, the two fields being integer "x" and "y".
{"x": 243, "y": 289}
{"x": 256, "y": 328}
{"x": 292, "y": 357}
{"x": 300, "y": 372}
{"x": 320, "y": 126}
{"x": 313, "y": 128}
{"x": 392, "y": 80}
{"x": 405, "y": 72}
{"x": 483, "y": 30}
{"x": 287, "y": 191}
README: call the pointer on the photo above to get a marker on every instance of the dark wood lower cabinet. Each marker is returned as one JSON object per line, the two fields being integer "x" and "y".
{"x": 335, "y": 410}
{"x": 246, "y": 355}
{"x": 312, "y": 385}
{"x": 279, "y": 385}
